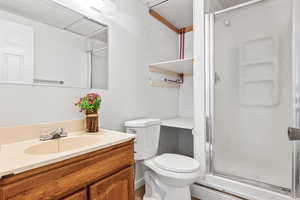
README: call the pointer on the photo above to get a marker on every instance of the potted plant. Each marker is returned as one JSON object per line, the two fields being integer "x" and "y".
{"x": 90, "y": 104}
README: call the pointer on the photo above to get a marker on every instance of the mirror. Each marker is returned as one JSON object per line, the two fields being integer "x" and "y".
{"x": 44, "y": 43}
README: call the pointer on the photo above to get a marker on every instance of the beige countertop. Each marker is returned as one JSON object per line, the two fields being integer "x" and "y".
{"x": 14, "y": 159}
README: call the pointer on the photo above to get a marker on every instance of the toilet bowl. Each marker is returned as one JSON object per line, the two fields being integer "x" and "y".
{"x": 167, "y": 176}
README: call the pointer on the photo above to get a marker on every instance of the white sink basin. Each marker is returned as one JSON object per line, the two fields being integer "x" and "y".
{"x": 62, "y": 145}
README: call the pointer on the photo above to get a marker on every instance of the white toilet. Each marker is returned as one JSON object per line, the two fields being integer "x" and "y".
{"x": 167, "y": 176}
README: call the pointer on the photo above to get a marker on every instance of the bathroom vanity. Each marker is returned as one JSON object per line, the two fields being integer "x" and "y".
{"x": 100, "y": 171}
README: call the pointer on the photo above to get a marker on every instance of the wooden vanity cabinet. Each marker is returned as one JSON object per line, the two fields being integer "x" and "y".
{"x": 80, "y": 195}
{"x": 115, "y": 187}
{"x": 106, "y": 174}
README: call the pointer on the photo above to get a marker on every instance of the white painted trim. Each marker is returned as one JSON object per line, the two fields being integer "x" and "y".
{"x": 204, "y": 193}
{"x": 139, "y": 183}
{"x": 199, "y": 85}
{"x": 237, "y": 6}
{"x": 240, "y": 189}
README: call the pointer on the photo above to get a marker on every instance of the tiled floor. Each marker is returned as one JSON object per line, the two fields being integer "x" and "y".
{"x": 140, "y": 193}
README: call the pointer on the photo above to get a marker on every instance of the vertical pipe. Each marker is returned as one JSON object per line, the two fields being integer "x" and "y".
{"x": 179, "y": 47}
{"x": 180, "y": 44}
{"x": 183, "y": 42}
{"x": 180, "y": 33}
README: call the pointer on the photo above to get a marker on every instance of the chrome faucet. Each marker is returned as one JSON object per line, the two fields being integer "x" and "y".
{"x": 58, "y": 133}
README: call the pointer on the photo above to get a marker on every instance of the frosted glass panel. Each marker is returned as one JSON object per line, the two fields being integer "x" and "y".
{"x": 253, "y": 96}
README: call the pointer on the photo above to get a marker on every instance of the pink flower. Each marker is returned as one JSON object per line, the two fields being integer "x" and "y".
{"x": 92, "y": 96}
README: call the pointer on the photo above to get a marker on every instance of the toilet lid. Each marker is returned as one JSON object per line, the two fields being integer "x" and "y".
{"x": 177, "y": 163}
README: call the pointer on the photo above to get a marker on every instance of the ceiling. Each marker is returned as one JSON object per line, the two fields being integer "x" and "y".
{"x": 51, "y": 13}
{"x": 178, "y": 12}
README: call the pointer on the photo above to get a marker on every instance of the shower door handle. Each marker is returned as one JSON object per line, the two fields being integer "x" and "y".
{"x": 293, "y": 134}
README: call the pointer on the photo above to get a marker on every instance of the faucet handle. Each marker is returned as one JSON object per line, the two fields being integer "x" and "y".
{"x": 46, "y": 133}
{"x": 53, "y": 134}
{"x": 61, "y": 129}
{"x": 61, "y": 132}
{"x": 57, "y": 131}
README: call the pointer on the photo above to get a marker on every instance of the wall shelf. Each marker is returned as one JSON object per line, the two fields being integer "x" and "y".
{"x": 179, "y": 122}
{"x": 181, "y": 66}
{"x": 259, "y": 72}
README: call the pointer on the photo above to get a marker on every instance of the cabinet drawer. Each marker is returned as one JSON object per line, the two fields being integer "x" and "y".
{"x": 57, "y": 183}
{"x": 116, "y": 187}
{"x": 81, "y": 195}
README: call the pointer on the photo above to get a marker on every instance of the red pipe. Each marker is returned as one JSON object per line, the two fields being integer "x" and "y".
{"x": 181, "y": 43}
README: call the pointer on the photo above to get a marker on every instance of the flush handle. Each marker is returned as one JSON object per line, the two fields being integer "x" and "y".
{"x": 293, "y": 134}
{"x": 133, "y": 131}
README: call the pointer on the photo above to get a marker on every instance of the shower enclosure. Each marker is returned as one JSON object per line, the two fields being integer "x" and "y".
{"x": 251, "y": 97}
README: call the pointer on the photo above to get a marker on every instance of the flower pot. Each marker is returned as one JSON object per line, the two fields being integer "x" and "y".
{"x": 92, "y": 121}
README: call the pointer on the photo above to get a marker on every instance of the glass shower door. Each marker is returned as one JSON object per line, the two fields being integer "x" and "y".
{"x": 253, "y": 94}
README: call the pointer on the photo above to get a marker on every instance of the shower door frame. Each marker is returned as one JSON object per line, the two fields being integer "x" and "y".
{"x": 215, "y": 179}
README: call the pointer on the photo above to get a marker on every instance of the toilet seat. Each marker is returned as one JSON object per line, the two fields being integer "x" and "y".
{"x": 176, "y": 177}
{"x": 176, "y": 163}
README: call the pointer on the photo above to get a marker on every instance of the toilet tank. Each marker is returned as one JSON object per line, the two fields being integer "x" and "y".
{"x": 147, "y": 137}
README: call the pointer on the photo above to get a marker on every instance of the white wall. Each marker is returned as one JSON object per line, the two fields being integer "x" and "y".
{"x": 135, "y": 41}
{"x": 186, "y": 104}
{"x": 189, "y": 44}
{"x": 58, "y": 54}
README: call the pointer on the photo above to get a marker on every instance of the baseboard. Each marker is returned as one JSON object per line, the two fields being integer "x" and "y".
{"x": 139, "y": 183}
{"x": 205, "y": 193}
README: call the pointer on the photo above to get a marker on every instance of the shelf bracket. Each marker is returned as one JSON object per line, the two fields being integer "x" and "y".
{"x": 178, "y": 81}
{"x": 167, "y": 82}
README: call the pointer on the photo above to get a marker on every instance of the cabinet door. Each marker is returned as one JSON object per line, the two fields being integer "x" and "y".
{"x": 116, "y": 187}
{"x": 81, "y": 195}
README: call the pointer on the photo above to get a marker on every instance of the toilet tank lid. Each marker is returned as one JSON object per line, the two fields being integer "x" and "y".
{"x": 142, "y": 122}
